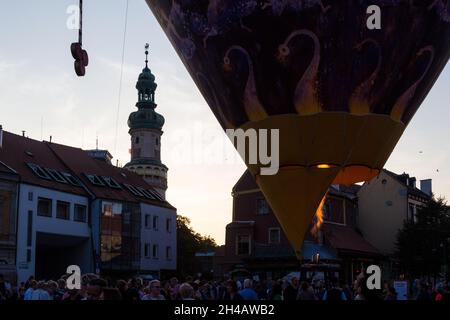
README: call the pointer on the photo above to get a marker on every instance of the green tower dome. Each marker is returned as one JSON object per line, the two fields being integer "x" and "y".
{"x": 146, "y": 117}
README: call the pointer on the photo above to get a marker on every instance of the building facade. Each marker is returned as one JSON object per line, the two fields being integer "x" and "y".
{"x": 9, "y": 184}
{"x": 255, "y": 241}
{"x": 71, "y": 207}
{"x": 384, "y": 204}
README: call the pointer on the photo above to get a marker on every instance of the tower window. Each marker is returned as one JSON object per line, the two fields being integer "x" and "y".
{"x": 157, "y": 141}
{"x": 137, "y": 140}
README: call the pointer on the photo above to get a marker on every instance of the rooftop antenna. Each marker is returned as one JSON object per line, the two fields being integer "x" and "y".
{"x": 42, "y": 127}
{"x": 96, "y": 142}
{"x": 23, "y": 133}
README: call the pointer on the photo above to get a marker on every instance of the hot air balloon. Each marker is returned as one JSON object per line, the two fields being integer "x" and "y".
{"x": 340, "y": 93}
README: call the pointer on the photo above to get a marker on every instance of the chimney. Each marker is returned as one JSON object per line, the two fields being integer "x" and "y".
{"x": 1, "y": 136}
{"x": 23, "y": 133}
{"x": 412, "y": 182}
{"x": 50, "y": 139}
{"x": 102, "y": 155}
{"x": 426, "y": 186}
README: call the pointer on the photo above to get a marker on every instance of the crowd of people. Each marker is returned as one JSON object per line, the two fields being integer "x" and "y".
{"x": 94, "y": 287}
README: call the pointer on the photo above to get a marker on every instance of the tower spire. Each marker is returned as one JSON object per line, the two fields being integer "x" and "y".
{"x": 147, "y": 46}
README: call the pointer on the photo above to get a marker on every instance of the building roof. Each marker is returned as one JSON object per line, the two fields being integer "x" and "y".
{"x": 6, "y": 169}
{"x": 346, "y": 239}
{"x": 403, "y": 179}
{"x": 17, "y": 151}
{"x": 245, "y": 182}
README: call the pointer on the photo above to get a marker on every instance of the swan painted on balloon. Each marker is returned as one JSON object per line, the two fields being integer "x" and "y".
{"x": 359, "y": 101}
{"x": 253, "y": 107}
{"x": 306, "y": 100}
{"x": 402, "y": 103}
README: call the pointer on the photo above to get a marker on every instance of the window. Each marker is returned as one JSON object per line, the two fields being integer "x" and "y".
{"x": 147, "y": 221}
{"x": 111, "y": 182}
{"x": 147, "y": 250}
{"x": 155, "y": 222}
{"x": 137, "y": 140}
{"x": 169, "y": 225}
{"x": 28, "y": 255}
{"x": 63, "y": 210}
{"x": 243, "y": 245}
{"x": 157, "y": 141}
{"x": 30, "y": 229}
{"x": 168, "y": 253}
{"x": 274, "y": 235}
{"x": 30, "y": 196}
{"x": 155, "y": 194}
{"x": 262, "y": 207}
{"x": 80, "y": 213}
{"x": 41, "y": 173}
{"x": 145, "y": 193}
{"x": 44, "y": 208}
{"x": 71, "y": 179}
{"x": 56, "y": 175}
{"x": 133, "y": 190}
{"x": 155, "y": 251}
{"x": 95, "y": 180}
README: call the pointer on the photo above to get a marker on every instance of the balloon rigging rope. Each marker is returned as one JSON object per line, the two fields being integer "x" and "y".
{"x": 121, "y": 76}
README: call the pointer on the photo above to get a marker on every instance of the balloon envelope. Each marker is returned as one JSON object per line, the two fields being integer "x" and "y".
{"x": 340, "y": 93}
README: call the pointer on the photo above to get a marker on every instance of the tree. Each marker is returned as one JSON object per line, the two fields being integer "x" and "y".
{"x": 189, "y": 243}
{"x": 422, "y": 244}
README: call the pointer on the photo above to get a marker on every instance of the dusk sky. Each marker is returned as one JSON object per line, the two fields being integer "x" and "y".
{"x": 40, "y": 93}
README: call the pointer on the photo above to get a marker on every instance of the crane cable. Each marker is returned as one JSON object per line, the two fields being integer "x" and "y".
{"x": 121, "y": 76}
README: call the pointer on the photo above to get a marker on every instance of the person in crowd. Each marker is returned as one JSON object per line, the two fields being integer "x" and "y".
{"x": 32, "y": 285}
{"x": 133, "y": 290}
{"x": 277, "y": 292}
{"x": 186, "y": 291}
{"x": 41, "y": 292}
{"x": 95, "y": 289}
{"x": 5, "y": 288}
{"x": 248, "y": 293}
{"x": 232, "y": 291}
{"x": 291, "y": 290}
{"x": 306, "y": 292}
{"x": 196, "y": 286}
{"x": 206, "y": 292}
{"x": 346, "y": 289}
{"x": 335, "y": 293}
{"x": 61, "y": 289}
{"x": 154, "y": 291}
{"x": 175, "y": 287}
{"x": 28, "y": 282}
{"x": 52, "y": 288}
{"x": 123, "y": 288}
{"x": 260, "y": 291}
{"x": 165, "y": 290}
{"x": 423, "y": 295}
